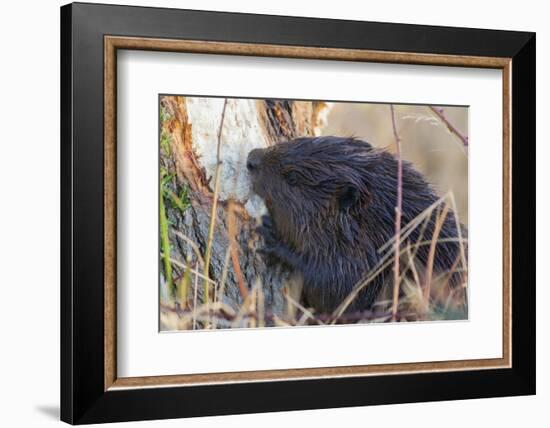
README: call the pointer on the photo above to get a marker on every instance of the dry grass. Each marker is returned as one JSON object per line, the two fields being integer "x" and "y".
{"x": 428, "y": 299}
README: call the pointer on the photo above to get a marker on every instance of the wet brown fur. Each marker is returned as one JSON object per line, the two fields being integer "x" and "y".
{"x": 331, "y": 204}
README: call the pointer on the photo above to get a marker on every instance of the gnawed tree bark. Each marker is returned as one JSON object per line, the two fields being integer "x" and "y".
{"x": 190, "y": 128}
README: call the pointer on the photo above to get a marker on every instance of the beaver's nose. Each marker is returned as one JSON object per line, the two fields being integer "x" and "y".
{"x": 254, "y": 159}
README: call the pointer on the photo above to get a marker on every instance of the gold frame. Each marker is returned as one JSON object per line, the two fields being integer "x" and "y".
{"x": 112, "y": 43}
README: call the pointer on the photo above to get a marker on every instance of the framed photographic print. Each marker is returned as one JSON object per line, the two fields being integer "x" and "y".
{"x": 265, "y": 213}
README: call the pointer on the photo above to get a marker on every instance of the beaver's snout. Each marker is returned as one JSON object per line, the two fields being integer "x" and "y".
{"x": 254, "y": 160}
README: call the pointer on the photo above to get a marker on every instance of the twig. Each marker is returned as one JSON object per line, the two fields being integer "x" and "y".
{"x": 219, "y": 290}
{"x": 195, "y": 296}
{"x": 225, "y": 270}
{"x": 411, "y": 265}
{"x": 440, "y": 113}
{"x": 232, "y": 233}
{"x": 214, "y": 207}
{"x": 398, "y": 207}
{"x": 459, "y": 230}
{"x": 431, "y": 255}
{"x": 193, "y": 271}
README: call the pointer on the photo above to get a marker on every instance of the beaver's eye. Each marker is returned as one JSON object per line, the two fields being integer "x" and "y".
{"x": 292, "y": 178}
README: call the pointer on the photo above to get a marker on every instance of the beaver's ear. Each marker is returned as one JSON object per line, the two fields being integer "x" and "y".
{"x": 348, "y": 196}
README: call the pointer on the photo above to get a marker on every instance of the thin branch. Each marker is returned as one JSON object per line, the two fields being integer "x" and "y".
{"x": 459, "y": 230}
{"x": 232, "y": 233}
{"x": 431, "y": 255}
{"x": 220, "y": 289}
{"x": 193, "y": 271}
{"x": 396, "y": 276}
{"x": 195, "y": 297}
{"x": 214, "y": 207}
{"x": 440, "y": 113}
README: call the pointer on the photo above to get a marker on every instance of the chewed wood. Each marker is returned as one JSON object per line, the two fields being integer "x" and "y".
{"x": 112, "y": 43}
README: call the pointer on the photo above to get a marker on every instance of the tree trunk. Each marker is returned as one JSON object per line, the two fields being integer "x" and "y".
{"x": 192, "y": 142}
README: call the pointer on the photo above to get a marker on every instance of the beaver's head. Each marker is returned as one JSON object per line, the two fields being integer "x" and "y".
{"x": 309, "y": 180}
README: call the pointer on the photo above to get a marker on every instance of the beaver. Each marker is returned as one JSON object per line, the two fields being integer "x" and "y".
{"x": 331, "y": 208}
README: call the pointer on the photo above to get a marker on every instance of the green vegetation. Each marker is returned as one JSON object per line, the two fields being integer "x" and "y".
{"x": 180, "y": 202}
{"x": 164, "y": 137}
{"x": 164, "y": 238}
{"x": 165, "y": 143}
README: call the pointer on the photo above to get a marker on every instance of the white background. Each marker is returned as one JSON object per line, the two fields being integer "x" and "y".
{"x": 143, "y": 352}
{"x": 29, "y": 214}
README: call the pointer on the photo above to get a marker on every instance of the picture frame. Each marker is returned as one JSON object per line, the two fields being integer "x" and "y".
{"x": 91, "y": 35}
